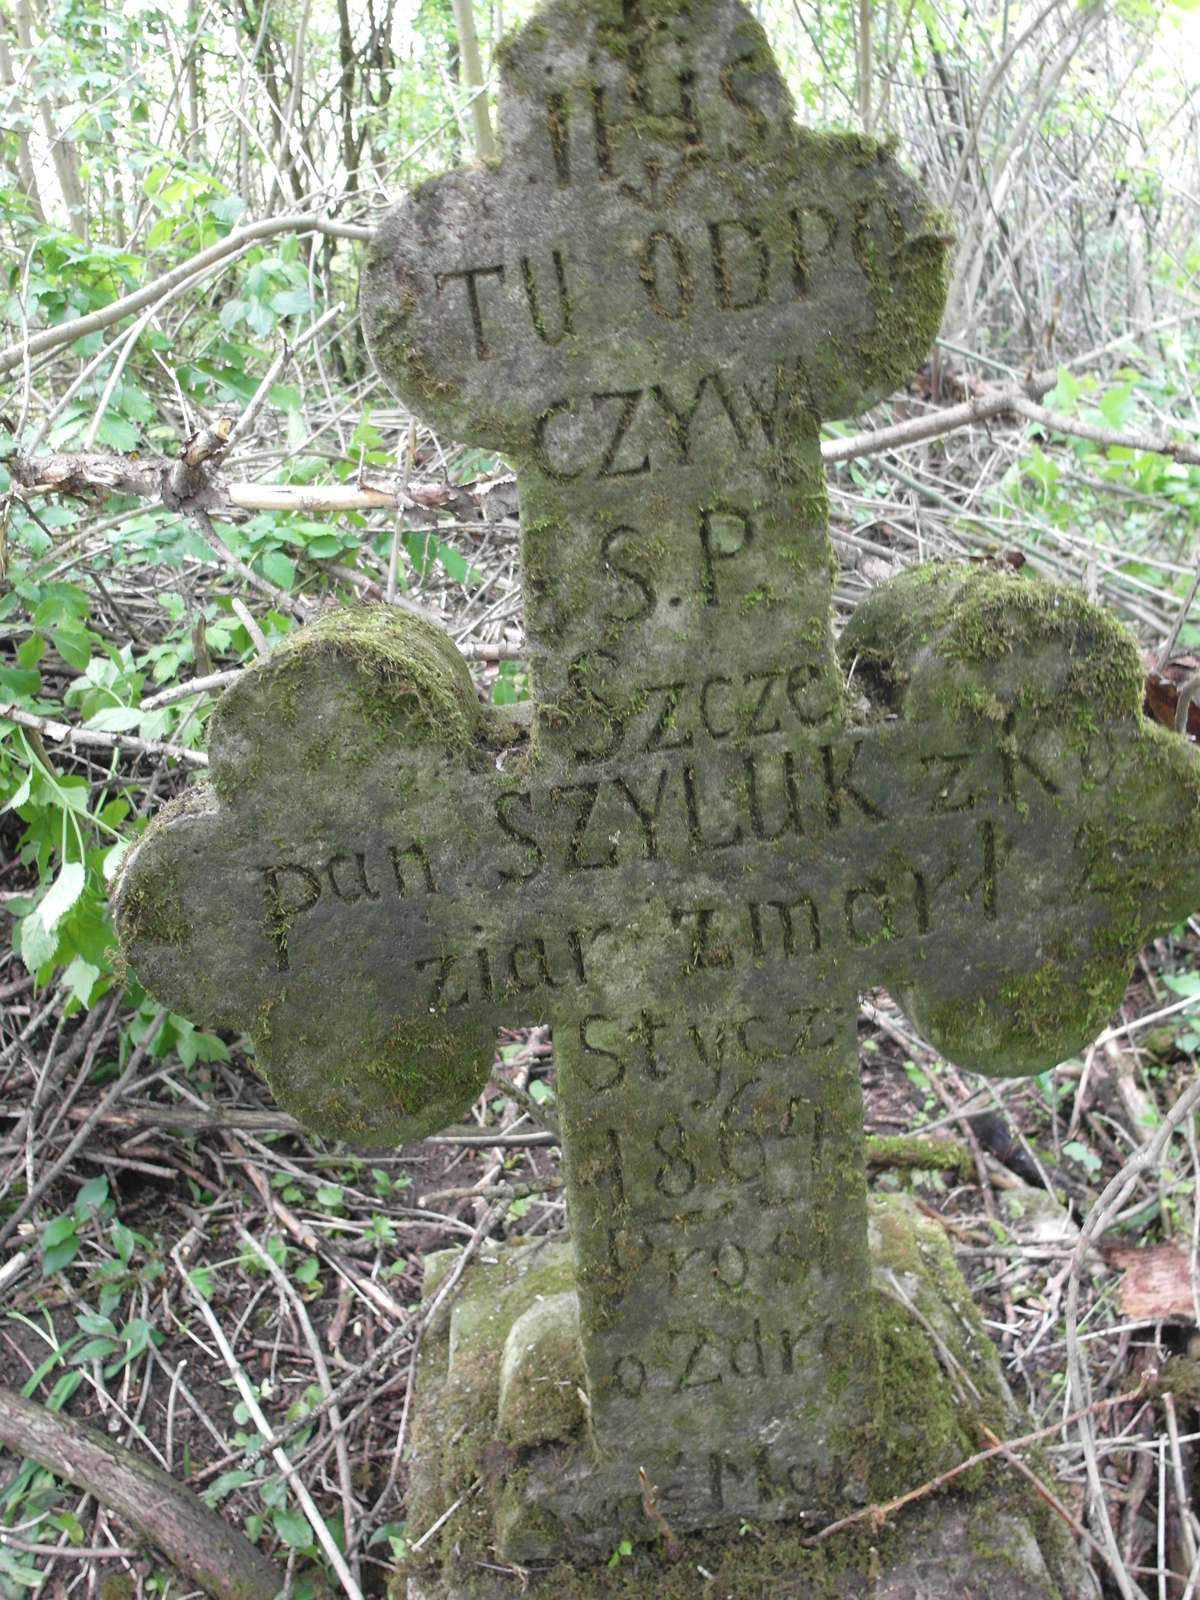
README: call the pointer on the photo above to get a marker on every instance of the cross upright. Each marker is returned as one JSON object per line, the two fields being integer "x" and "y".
{"x": 706, "y": 846}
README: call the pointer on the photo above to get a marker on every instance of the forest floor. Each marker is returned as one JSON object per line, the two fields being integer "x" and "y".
{"x": 189, "y": 1187}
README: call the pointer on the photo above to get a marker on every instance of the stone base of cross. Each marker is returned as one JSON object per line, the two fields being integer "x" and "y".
{"x": 709, "y": 838}
{"x": 536, "y": 1513}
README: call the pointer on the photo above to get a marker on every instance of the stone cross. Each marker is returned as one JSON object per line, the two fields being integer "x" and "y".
{"x": 714, "y": 835}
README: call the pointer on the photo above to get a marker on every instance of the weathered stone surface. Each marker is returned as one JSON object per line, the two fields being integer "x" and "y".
{"x": 696, "y": 857}
{"x": 530, "y": 1505}
{"x": 541, "y": 1374}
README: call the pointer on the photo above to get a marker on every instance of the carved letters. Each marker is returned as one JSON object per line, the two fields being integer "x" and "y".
{"x": 720, "y": 265}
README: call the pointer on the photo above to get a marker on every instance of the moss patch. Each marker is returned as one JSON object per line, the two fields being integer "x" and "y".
{"x": 946, "y": 636}
{"x": 381, "y": 1088}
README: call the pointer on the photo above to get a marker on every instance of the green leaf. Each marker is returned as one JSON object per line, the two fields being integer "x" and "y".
{"x": 201, "y": 1279}
{"x": 38, "y": 946}
{"x": 92, "y": 1197}
{"x": 227, "y": 208}
{"x": 1116, "y": 404}
{"x": 325, "y": 546}
{"x": 297, "y": 430}
{"x": 226, "y": 1484}
{"x": 259, "y": 317}
{"x": 115, "y": 719}
{"x": 95, "y": 1350}
{"x": 62, "y": 894}
{"x": 280, "y": 569}
{"x": 89, "y": 1322}
{"x": 293, "y": 1529}
{"x": 74, "y": 645}
{"x": 113, "y": 859}
{"x": 60, "y": 1256}
{"x": 116, "y": 433}
{"x": 1088, "y": 1159}
{"x": 292, "y": 302}
{"x": 232, "y": 313}
{"x": 1065, "y": 392}
{"x": 14, "y": 1571}
{"x": 57, "y": 1231}
{"x": 18, "y": 683}
{"x": 20, "y": 795}
{"x": 80, "y": 979}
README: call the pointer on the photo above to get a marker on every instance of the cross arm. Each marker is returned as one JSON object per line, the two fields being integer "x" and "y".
{"x": 1089, "y": 814}
{"x": 314, "y": 894}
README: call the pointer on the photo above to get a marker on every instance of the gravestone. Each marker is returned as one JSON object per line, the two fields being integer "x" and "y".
{"x": 710, "y": 839}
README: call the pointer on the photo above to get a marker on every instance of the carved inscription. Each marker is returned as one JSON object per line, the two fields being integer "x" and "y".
{"x": 631, "y": 432}
{"x": 707, "y": 268}
{"x": 654, "y": 718}
{"x": 291, "y": 889}
{"x": 693, "y": 859}
{"x": 618, "y": 822}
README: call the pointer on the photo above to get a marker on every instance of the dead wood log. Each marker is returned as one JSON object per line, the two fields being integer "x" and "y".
{"x": 203, "y": 1545}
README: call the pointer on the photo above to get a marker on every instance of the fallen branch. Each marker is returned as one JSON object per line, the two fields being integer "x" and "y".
{"x": 205, "y": 1547}
{"x": 186, "y": 482}
{"x": 182, "y": 1119}
{"x": 917, "y": 1151}
{"x": 211, "y": 683}
{"x": 1001, "y": 400}
{"x": 94, "y": 739}
{"x": 304, "y": 1499}
{"x": 487, "y": 1141}
{"x": 1113, "y": 438}
{"x": 493, "y": 1191}
{"x": 90, "y": 473}
{"x": 993, "y": 401}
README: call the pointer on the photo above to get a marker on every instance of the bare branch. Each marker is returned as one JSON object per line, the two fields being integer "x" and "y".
{"x": 96, "y": 739}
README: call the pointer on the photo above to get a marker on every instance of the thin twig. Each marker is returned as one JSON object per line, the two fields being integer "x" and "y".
{"x": 110, "y": 1098}
{"x": 250, "y": 1400}
{"x": 877, "y": 1515}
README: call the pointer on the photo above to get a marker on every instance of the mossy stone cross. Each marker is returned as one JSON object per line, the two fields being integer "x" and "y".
{"x": 704, "y": 848}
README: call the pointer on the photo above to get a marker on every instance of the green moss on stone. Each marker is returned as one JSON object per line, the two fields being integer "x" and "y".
{"x": 411, "y": 675}
{"x": 385, "y": 1086}
{"x": 147, "y": 899}
{"x": 929, "y": 1423}
{"x": 976, "y": 620}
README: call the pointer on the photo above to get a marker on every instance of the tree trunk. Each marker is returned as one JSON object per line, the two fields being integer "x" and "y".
{"x": 62, "y": 152}
{"x": 468, "y": 44}
{"x": 23, "y": 162}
